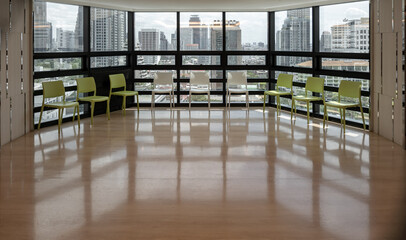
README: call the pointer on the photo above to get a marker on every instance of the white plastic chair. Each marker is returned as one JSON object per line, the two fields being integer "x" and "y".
{"x": 237, "y": 83}
{"x": 198, "y": 80}
{"x": 161, "y": 82}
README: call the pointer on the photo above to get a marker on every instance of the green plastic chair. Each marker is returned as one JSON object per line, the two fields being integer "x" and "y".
{"x": 87, "y": 85}
{"x": 118, "y": 81}
{"x": 284, "y": 80}
{"x": 52, "y": 90}
{"x": 347, "y": 89}
{"x": 315, "y": 85}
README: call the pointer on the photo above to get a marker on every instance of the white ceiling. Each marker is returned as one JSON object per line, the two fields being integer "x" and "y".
{"x": 201, "y": 5}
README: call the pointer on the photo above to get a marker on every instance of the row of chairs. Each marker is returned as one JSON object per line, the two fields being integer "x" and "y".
{"x": 236, "y": 84}
{"x": 347, "y": 89}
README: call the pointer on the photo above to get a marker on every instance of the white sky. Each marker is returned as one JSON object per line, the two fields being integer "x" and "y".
{"x": 253, "y": 24}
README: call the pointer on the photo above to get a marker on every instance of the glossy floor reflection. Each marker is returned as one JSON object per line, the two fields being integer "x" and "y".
{"x": 201, "y": 175}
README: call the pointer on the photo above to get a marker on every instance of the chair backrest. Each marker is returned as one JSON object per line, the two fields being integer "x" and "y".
{"x": 53, "y": 89}
{"x": 237, "y": 78}
{"x": 117, "y": 81}
{"x": 349, "y": 89}
{"x": 315, "y": 84}
{"x": 284, "y": 80}
{"x": 163, "y": 78}
{"x": 199, "y": 78}
{"x": 85, "y": 85}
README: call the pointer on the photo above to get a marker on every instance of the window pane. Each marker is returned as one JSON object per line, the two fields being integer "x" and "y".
{"x": 214, "y": 86}
{"x": 150, "y": 74}
{"x": 246, "y": 60}
{"x": 53, "y": 33}
{"x": 201, "y": 31}
{"x": 201, "y": 60}
{"x": 108, "y": 30}
{"x": 304, "y": 62}
{"x": 341, "y": 64}
{"x": 54, "y": 64}
{"x": 155, "y": 31}
{"x": 247, "y": 31}
{"x": 255, "y": 74}
{"x": 155, "y": 60}
{"x": 293, "y": 30}
{"x": 214, "y": 74}
{"x": 67, "y": 81}
{"x": 334, "y": 81}
{"x": 345, "y": 27}
{"x": 110, "y": 61}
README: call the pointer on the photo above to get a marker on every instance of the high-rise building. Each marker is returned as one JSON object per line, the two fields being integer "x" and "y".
{"x": 149, "y": 40}
{"x": 294, "y": 35}
{"x": 352, "y": 35}
{"x": 65, "y": 40}
{"x": 108, "y": 33}
{"x": 79, "y": 30}
{"x": 325, "y": 42}
{"x": 42, "y": 28}
{"x": 163, "y": 42}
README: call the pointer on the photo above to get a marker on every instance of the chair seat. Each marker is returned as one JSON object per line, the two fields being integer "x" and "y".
{"x": 275, "y": 93}
{"x": 94, "y": 99}
{"x": 341, "y": 104}
{"x": 308, "y": 98}
{"x": 62, "y": 104}
{"x": 236, "y": 90}
{"x": 125, "y": 93}
{"x": 197, "y": 90}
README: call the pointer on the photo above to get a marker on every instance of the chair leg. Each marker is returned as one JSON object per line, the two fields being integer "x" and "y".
{"x": 248, "y": 100}
{"x": 308, "y": 112}
{"x": 278, "y": 104}
{"x": 122, "y": 106}
{"x": 108, "y": 109}
{"x": 40, "y": 117}
{"x": 263, "y": 109}
{"x": 78, "y": 115}
{"x": 91, "y": 112}
{"x": 60, "y": 111}
{"x": 74, "y": 112}
{"x": 341, "y": 116}
{"x": 324, "y": 116}
{"x": 344, "y": 119}
{"x": 208, "y": 96}
{"x": 153, "y": 100}
{"x": 190, "y": 100}
{"x": 362, "y": 114}
{"x": 138, "y": 104}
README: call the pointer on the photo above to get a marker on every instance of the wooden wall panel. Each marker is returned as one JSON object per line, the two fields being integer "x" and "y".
{"x": 389, "y": 64}
{"x": 5, "y": 120}
{"x": 385, "y": 16}
{"x": 377, "y": 64}
{"x": 385, "y": 117}
{"x": 397, "y": 15}
{"x": 18, "y": 114}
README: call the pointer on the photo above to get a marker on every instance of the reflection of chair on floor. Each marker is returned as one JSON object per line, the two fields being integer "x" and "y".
{"x": 237, "y": 84}
{"x": 53, "y": 90}
{"x": 198, "y": 80}
{"x": 284, "y": 81}
{"x": 238, "y": 129}
{"x": 162, "y": 127}
{"x": 199, "y": 128}
{"x": 118, "y": 81}
{"x": 315, "y": 85}
{"x": 161, "y": 82}
{"x": 347, "y": 89}
{"x": 88, "y": 85}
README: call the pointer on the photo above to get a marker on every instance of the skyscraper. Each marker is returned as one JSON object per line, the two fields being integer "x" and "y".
{"x": 42, "y": 28}
{"x": 108, "y": 33}
{"x": 325, "y": 42}
{"x": 149, "y": 40}
{"x": 294, "y": 35}
{"x": 352, "y": 35}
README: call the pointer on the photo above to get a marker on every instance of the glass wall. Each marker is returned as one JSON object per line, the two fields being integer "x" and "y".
{"x": 143, "y": 43}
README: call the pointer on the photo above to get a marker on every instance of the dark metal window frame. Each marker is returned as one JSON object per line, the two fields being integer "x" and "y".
{"x": 270, "y": 64}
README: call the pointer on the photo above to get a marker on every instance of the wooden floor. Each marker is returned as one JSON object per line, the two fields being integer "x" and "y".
{"x": 199, "y": 175}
